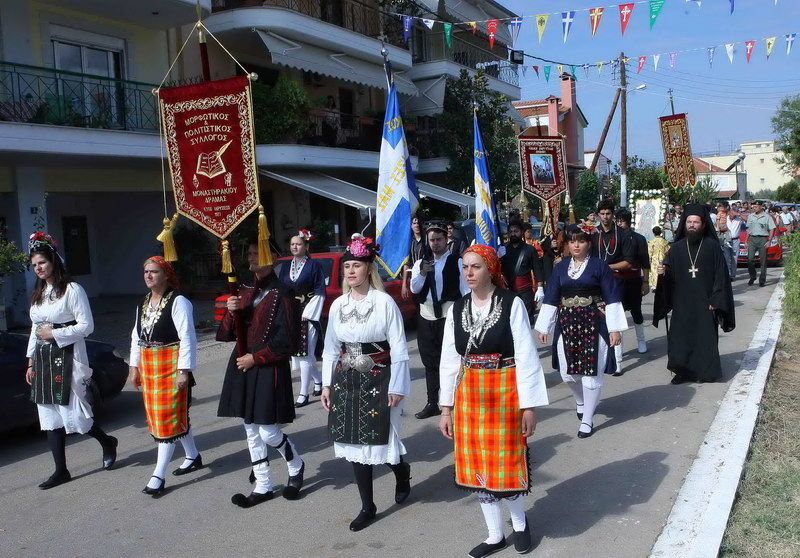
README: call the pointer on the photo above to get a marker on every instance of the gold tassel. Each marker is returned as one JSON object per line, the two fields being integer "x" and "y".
{"x": 264, "y": 252}
{"x": 168, "y": 241}
{"x": 227, "y": 266}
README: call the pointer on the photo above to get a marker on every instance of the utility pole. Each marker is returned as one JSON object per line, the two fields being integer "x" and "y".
{"x": 671, "y": 100}
{"x": 603, "y": 135}
{"x": 623, "y": 161}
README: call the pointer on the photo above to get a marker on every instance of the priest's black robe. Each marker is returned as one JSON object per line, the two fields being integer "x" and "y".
{"x": 692, "y": 336}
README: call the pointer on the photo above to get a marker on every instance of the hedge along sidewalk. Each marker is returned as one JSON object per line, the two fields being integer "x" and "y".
{"x": 698, "y": 519}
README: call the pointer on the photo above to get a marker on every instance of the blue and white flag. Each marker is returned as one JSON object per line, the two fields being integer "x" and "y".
{"x": 398, "y": 197}
{"x": 485, "y": 214}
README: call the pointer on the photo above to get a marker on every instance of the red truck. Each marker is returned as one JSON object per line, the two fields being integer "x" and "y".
{"x": 330, "y": 262}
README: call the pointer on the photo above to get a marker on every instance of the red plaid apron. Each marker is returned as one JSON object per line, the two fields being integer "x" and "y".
{"x": 166, "y": 407}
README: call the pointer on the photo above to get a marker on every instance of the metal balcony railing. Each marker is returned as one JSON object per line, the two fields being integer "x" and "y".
{"x": 335, "y": 129}
{"x": 430, "y": 47}
{"x": 39, "y": 95}
{"x": 355, "y": 15}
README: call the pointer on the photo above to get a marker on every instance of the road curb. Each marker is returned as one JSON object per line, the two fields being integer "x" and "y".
{"x": 698, "y": 519}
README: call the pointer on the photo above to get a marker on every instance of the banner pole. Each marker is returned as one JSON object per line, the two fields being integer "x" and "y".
{"x": 201, "y": 43}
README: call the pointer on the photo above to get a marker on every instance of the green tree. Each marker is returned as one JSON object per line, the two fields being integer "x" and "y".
{"x": 280, "y": 111}
{"x": 642, "y": 175}
{"x": 497, "y": 132}
{"x": 586, "y": 197}
{"x": 789, "y": 192}
{"x": 786, "y": 126}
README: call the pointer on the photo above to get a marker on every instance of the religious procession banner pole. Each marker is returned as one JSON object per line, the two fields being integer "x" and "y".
{"x": 543, "y": 173}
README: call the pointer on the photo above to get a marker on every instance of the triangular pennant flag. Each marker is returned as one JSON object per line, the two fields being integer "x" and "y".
{"x": 770, "y": 45}
{"x": 541, "y": 23}
{"x": 536, "y": 69}
{"x": 595, "y": 14}
{"x": 586, "y": 70}
{"x": 428, "y": 23}
{"x": 524, "y": 71}
{"x": 655, "y": 9}
{"x": 732, "y": 5}
{"x": 748, "y": 49}
{"x": 698, "y": 2}
{"x": 407, "y": 21}
{"x": 600, "y": 68}
{"x": 514, "y": 27}
{"x": 789, "y": 42}
{"x": 625, "y": 11}
{"x": 491, "y": 30}
{"x": 566, "y": 23}
{"x": 560, "y": 69}
{"x": 729, "y": 50}
{"x": 673, "y": 58}
{"x": 656, "y": 58}
{"x": 448, "y": 34}
{"x": 711, "y": 51}
{"x": 473, "y": 25}
{"x": 547, "y": 73}
{"x": 642, "y": 61}
{"x": 574, "y": 73}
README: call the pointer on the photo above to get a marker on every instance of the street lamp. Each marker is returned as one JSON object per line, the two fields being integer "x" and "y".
{"x": 623, "y": 176}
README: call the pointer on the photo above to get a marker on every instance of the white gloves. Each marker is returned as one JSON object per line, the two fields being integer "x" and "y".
{"x": 539, "y": 296}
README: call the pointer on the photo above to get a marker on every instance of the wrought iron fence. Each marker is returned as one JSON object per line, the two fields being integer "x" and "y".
{"x": 354, "y": 15}
{"x": 335, "y": 129}
{"x": 430, "y": 47}
{"x": 47, "y": 96}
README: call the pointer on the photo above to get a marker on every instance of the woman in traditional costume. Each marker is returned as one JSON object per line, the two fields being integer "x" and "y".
{"x": 583, "y": 310}
{"x": 58, "y": 363}
{"x": 365, "y": 377}
{"x": 491, "y": 380}
{"x": 306, "y": 279}
{"x": 163, "y": 355}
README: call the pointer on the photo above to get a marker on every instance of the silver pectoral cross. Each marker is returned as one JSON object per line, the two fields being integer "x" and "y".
{"x": 693, "y": 270}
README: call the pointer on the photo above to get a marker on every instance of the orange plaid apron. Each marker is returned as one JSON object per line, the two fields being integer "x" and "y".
{"x": 490, "y": 451}
{"x": 166, "y": 407}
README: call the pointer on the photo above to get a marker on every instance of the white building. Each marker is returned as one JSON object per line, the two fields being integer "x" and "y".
{"x": 725, "y": 182}
{"x": 761, "y": 165}
{"x": 604, "y": 164}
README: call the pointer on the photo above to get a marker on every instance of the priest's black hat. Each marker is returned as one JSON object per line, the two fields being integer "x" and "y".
{"x": 699, "y": 210}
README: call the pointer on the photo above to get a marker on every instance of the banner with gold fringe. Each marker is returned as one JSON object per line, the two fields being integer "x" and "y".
{"x": 677, "y": 150}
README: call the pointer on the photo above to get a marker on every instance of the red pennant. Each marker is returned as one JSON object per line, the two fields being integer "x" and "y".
{"x": 625, "y": 12}
{"x": 642, "y": 61}
{"x": 536, "y": 69}
{"x": 594, "y": 18}
{"x": 749, "y": 46}
{"x": 491, "y": 30}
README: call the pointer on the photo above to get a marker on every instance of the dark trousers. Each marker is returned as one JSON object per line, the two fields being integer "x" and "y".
{"x": 757, "y": 244}
{"x": 430, "y": 335}
{"x": 632, "y": 298}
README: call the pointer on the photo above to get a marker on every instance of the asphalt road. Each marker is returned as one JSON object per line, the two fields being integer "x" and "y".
{"x": 608, "y": 495}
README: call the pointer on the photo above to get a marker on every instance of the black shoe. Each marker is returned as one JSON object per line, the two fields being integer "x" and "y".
{"x": 364, "y": 518}
{"x": 294, "y": 484}
{"x": 580, "y": 415}
{"x": 430, "y": 410}
{"x": 155, "y": 491}
{"x": 677, "y": 380}
{"x": 252, "y": 478}
{"x": 196, "y": 463}
{"x": 302, "y": 403}
{"x": 586, "y": 434}
{"x": 522, "y": 539}
{"x": 403, "y": 488}
{"x": 56, "y": 479}
{"x": 751, "y": 281}
{"x": 485, "y": 549}
{"x": 110, "y": 453}
{"x": 253, "y": 499}
{"x": 317, "y": 391}
{"x": 762, "y": 284}
{"x": 618, "y": 373}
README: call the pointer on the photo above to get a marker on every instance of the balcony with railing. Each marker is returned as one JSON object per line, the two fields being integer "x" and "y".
{"x": 36, "y": 95}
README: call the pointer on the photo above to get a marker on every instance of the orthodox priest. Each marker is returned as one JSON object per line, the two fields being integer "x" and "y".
{"x": 695, "y": 285}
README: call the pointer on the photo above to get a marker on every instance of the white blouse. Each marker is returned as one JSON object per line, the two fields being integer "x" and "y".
{"x": 183, "y": 318}
{"x": 530, "y": 376}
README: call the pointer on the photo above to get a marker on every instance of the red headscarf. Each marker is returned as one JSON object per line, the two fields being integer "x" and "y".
{"x": 489, "y": 256}
{"x": 169, "y": 271}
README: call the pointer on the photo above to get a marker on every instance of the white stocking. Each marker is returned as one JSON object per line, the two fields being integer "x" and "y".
{"x": 308, "y": 373}
{"x": 493, "y": 514}
{"x": 517, "y": 511}
{"x": 591, "y": 398}
{"x": 258, "y": 458}
{"x": 165, "y": 450}
{"x": 618, "y": 356}
{"x": 189, "y": 449}
{"x": 274, "y": 436}
{"x": 577, "y": 392}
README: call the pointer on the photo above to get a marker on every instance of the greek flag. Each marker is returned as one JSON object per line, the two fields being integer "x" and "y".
{"x": 485, "y": 212}
{"x": 397, "y": 192}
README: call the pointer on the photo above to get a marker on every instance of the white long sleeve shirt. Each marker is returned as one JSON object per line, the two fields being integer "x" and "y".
{"x": 183, "y": 318}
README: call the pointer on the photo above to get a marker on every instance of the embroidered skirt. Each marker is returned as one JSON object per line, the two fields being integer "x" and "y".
{"x": 491, "y": 455}
{"x": 580, "y": 327}
{"x": 310, "y": 339}
{"x": 53, "y": 379}
{"x": 166, "y": 406}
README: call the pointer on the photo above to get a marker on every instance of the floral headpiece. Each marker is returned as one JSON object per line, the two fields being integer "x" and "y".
{"x": 40, "y": 240}
{"x": 588, "y": 227}
{"x": 305, "y": 234}
{"x": 361, "y": 248}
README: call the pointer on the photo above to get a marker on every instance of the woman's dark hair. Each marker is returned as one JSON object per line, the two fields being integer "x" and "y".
{"x": 575, "y": 233}
{"x": 657, "y": 231}
{"x": 60, "y": 276}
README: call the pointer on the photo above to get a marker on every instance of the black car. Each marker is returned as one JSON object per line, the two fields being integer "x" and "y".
{"x": 16, "y": 409}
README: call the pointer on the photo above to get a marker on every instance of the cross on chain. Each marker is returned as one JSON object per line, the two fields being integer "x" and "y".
{"x": 693, "y": 270}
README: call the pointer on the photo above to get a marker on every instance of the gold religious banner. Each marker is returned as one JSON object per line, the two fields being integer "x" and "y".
{"x": 677, "y": 150}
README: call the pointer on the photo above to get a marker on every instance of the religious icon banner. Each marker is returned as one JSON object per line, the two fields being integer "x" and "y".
{"x": 649, "y": 209}
{"x": 543, "y": 164}
{"x": 677, "y": 151}
{"x": 208, "y": 129}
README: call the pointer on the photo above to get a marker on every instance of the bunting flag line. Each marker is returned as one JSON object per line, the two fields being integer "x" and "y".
{"x": 448, "y": 34}
{"x": 573, "y": 72}
{"x": 789, "y": 42}
{"x": 428, "y": 23}
{"x": 656, "y": 58}
{"x": 642, "y": 61}
{"x": 560, "y": 69}
{"x": 547, "y": 73}
{"x": 514, "y": 27}
{"x": 586, "y": 70}
{"x": 625, "y": 11}
{"x": 407, "y": 21}
{"x": 600, "y": 67}
{"x": 749, "y": 46}
{"x": 491, "y": 30}
{"x": 698, "y": 2}
{"x": 594, "y": 19}
{"x": 566, "y": 23}
{"x": 485, "y": 214}
{"x": 770, "y": 42}
{"x": 655, "y": 9}
{"x": 673, "y": 59}
{"x": 729, "y": 50}
{"x": 536, "y": 69}
{"x": 541, "y": 23}
{"x": 473, "y": 25}
{"x": 732, "y": 5}
{"x": 711, "y": 51}
{"x": 524, "y": 70}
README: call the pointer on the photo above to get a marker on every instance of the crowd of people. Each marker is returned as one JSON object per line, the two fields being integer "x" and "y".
{"x": 480, "y": 311}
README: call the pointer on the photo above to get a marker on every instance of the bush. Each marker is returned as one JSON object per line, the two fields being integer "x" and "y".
{"x": 791, "y": 304}
{"x": 281, "y": 112}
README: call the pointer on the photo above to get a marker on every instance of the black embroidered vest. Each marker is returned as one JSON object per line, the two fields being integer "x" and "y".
{"x": 164, "y": 330}
{"x": 498, "y": 339}
{"x": 451, "y": 290}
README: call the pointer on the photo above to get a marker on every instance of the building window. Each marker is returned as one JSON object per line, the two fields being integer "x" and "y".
{"x": 762, "y": 160}
{"x": 762, "y": 181}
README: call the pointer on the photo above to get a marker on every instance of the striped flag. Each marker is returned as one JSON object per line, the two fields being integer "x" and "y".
{"x": 486, "y": 230}
{"x": 398, "y": 197}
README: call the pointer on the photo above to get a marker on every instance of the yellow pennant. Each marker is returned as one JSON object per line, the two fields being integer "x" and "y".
{"x": 473, "y": 25}
{"x": 770, "y": 43}
{"x": 600, "y": 67}
{"x": 541, "y": 23}
{"x": 560, "y": 69}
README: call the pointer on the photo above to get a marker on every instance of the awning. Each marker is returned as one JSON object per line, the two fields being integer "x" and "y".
{"x": 445, "y": 194}
{"x": 342, "y": 66}
{"x": 326, "y": 186}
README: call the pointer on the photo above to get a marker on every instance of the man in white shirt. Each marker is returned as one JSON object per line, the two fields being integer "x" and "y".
{"x": 735, "y": 224}
{"x": 437, "y": 282}
{"x": 788, "y": 219}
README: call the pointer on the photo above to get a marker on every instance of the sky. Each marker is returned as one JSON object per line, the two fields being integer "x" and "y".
{"x": 726, "y": 105}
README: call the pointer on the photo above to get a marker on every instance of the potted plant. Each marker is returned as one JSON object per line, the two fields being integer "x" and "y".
{"x": 282, "y": 112}
{"x": 11, "y": 261}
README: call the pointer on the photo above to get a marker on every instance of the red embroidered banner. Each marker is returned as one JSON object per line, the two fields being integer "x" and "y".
{"x": 677, "y": 151}
{"x": 209, "y": 135}
{"x": 543, "y": 166}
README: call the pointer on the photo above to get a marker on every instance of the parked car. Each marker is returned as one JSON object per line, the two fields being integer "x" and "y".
{"x": 774, "y": 249}
{"x": 330, "y": 262}
{"x": 109, "y": 374}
